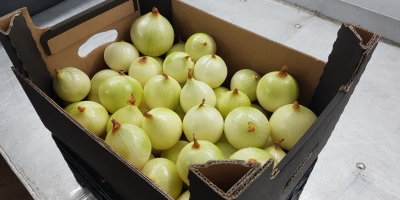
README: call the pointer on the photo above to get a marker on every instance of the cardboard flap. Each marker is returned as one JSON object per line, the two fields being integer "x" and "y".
{"x": 6, "y": 22}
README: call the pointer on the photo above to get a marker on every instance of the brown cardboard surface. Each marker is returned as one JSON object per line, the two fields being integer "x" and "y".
{"x": 241, "y": 49}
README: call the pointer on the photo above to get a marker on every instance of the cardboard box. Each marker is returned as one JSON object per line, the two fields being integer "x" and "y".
{"x": 324, "y": 87}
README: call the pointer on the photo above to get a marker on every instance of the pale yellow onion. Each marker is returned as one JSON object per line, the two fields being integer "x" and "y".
{"x": 205, "y": 121}
{"x": 115, "y": 90}
{"x": 97, "y": 79}
{"x": 144, "y": 68}
{"x": 163, "y": 173}
{"x": 173, "y": 152}
{"x": 226, "y": 148}
{"x": 90, "y": 114}
{"x": 120, "y": 55}
{"x": 163, "y": 126}
{"x": 268, "y": 143}
{"x": 152, "y": 34}
{"x": 219, "y": 91}
{"x": 151, "y": 157}
{"x": 194, "y": 91}
{"x": 130, "y": 142}
{"x": 276, "y": 89}
{"x": 177, "y": 64}
{"x": 276, "y": 151}
{"x": 179, "y": 47}
{"x": 210, "y": 69}
{"x": 200, "y": 44}
{"x": 180, "y": 112}
{"x": 196, "y": 152}
{"x": 130, "y": 114}
{"x": 184, "y": 196}
{"x": 162, "y": 91}
{"x": 258, "y": 107}
{"x": 156, "y": 152}
{"x": 246, "y": 81}
{"x": 71, "y": 84}
{"x": 246, "y": 127}
{"x": 252, "y": 155}
{"x": 143, "y": 105}
{"x": 290, "y": 122}
{"x": 231, "y": 100}
{"x": 159, "y": 60}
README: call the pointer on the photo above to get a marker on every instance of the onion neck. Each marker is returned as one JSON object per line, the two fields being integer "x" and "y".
{"x": 202, "y": 103}
{"x": 58, "y": 72}
{"x": 235, "y": 91}
{"x": 122, "y": 72}
{"x": 190, "y": 76}
{"x": 213, "y": 56}
{"x": 276, "y": 144}
{"x": 188, "y": 58}
{"x": 204, "y": 44}
{"x": 155, "y": 12}
{"x": 296, "y": 105}
{"x": 252, "y": 160}
{"x": 165, "y": 76}
{"x": 116, "y": 126}
{"x": 256, "y": 78}
{"x": 81, "y": 109}
{"x": 196, "y": 145}
{"x": 283, "y": 73}
{"x": 251, "y": 128}
{"x": 131, "y": 100}
{"x": 147, "y": 114}
{"x": 143, "y": 60}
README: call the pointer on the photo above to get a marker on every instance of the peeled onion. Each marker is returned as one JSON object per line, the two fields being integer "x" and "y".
{"x": 246, "y": 81}
{"x": 276, "y": 89}
{"x": 90, "y": 114}
{"x": 130, "y": 142}
{"x": 276, "y": 151}
{"x": 173, "y": 152}
{"x": 120, "y": 55}
{"x": 152, "y": 34}
{"x": 144, "y": 68}
{"x": 71, "y": 84}
{"x": 163, "y": 173}
{"x": 97, "y": 79}
{"x": 252, "y": 155}
{"x": 177, "y": 64}
{"x": 184, "y": 196}
{"x": 130, "y": 114}
{"x": 211, "y": 69}
{"x": 196, "y": 152}
{"x": 179, "y": 47}
{"x": 205, "y": 121}
{"x": 231, "y": 100}
{"x": 193, "y": 93}
{"x": 163, "y": 126}
{"x": 199, "y": 45}
{"x": 162, "y": 91}
{"x": 115, "y": 90}
{"x": 290, "y": 122}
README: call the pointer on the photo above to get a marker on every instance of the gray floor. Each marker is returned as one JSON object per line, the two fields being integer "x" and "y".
{"x": 367, "y": 131}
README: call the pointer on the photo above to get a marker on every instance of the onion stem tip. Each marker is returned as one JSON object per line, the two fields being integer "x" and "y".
{"x": 196, "y": 144}
{"x": 116, "y": 126}
{"x": 235, "y": 91}
{"x": 165, "y": 75}
{"x": 296, "y": 105}
{"x": 81, "y": 109}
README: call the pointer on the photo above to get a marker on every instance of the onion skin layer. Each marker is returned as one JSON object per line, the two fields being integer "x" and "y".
{"x": 252, "y": 154}
{"x": 119, "y": 55}
{"x": 71, "y": 84}
{"x": 246, "y": 81}
{"x": 199, "y": 45}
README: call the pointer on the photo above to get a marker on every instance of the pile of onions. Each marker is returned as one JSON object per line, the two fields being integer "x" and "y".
{"x": 211, "y": 69}
{"x": 90, "y": 114}
{"x": 120, "y": 55}
{"x": 115, "y": 90}
{"x": 246, "y": 81}
{"x": 205, "y": 121}
{"x": 173, "y": 152}
{"x": 71, "y": 84}
{"x": 178, "y": 110}
{"x": 253, "y": 155}
{"x": 97, "y": 79}
{"x": 130, "y": 142}
{"x": 163, "y": 173}
{"x": 276, "y": 151}
{"x": 144, "y": 68}
{"x": 196, "y": 152}
{"x": 177, "y": 64}
{"x": 143, "y": 105}
{"x": 162, "y": 91}
{"x": 163, "y": 126}
{"x": 276, "y": 89}
{"x": 180, "y": 47}
{"x": 258, "y": 107}
{"x": 199, "y": 45}
{"x": 152, "y": 34}
{"x": 226, "y": 148}
{"x": 290, "y": 122}
{"x": 129, "y": 114}
{"x": 231, "y": 100}
{"x": 246, "y": 127}
{"x": 159, "y": 60}
{"x": 219, "y": 91}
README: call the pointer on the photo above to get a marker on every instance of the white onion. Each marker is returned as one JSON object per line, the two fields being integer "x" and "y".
{"x": 163, "y": 173}
{"x": 130, "y": 142}
{"x": 90, "y": 114}
{"x": 129, "y": 114}
{"x": 246, "y": 127}
{"x": 258, "y": 107}
{"x": 180, "y": 112}
{"x": 199, "y": 45}
{"x": 290, "y": 122}
{"x": 163, "y": 126}
{"x": 276, "y": 89}
{"x": 159, "y": 60}
{"x": 219, "y": 91}
{"x": 184, "y": 196}
{"x": 179, "y": 47}
{"x": 268, "y": 143}
{"x": 173, "y": 152}
{"x": 71, "y": 84}
{"x": 196, "y": 152}
{"x": 226, "y": 148}
{"x": 120, "y": 55}
{"x": 205, "y": 121}
{"x": 211, "y": 69}
{"x": 115, "y": 90}
{"x": 144, "y": 68}
{"x": 162, "y": 91}
{"x": 276, "y": 151}
{"x": 97, "y": 79}
{"x": 152, "y": 34}
{"x": 143, "y": 105}
{"x": 231, "y": 100}
{"x": 177, "y": 64}
{"x": 156, "y": 152}
{"x": 246, "y": 81}
{"x": 252, "y": 154}
{"x": 193, "y": 93}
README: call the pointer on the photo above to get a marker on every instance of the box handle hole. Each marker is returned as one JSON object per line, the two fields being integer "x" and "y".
{"x": 96, "y": 41}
